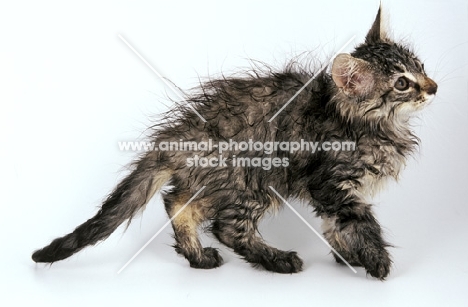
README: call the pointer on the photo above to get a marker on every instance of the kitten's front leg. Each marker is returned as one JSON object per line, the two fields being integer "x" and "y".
{"x": 236, "y": 226}
{"x": 352, "y": 230}
{"x": 359, "y": 241}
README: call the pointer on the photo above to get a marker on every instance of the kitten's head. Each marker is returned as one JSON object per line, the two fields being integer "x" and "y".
{"x": 381, "y": 79}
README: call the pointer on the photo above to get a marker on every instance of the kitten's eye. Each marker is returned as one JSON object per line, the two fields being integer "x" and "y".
{"x": 402, "y": 84}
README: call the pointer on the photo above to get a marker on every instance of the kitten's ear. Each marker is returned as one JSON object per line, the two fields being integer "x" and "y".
{"x": 354, "y": 76}
{"x": 377, "y": 32}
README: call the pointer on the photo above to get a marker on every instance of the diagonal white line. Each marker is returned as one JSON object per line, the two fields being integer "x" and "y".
{"x": 311, "y": 79}
{"x": 160, "y": 76}
{"x": 313, "y": 229}
{"x": 159, "y": 231}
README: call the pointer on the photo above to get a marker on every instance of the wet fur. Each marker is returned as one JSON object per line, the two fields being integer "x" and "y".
{"x": 357, "y": 102}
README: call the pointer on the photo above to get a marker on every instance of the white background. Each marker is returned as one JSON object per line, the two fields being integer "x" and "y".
{"x": 70, "y": 89}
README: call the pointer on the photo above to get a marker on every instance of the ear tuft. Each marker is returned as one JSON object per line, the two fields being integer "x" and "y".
{"x": 352, "y": 75}
{"x": 377, "y": 32}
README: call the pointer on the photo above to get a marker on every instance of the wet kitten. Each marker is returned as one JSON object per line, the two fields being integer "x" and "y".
{"x": 368, "y": 100}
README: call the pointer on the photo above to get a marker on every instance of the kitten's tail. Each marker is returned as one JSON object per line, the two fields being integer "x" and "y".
{"x": 122, "y": 204}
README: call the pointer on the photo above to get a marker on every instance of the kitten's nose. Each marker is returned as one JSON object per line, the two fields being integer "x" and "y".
{"x": 430, "y": 86}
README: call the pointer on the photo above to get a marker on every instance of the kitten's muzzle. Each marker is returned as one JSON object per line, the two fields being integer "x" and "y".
{"x": 430, "y": 87}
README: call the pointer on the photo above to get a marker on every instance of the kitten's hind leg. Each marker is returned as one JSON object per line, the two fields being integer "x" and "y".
{"x": 185, "y": 225}
{"x": 236, "y": 227}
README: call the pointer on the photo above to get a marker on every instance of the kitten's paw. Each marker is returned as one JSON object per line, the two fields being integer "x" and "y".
{"x": 209, "y": 259}
{"x": 377, "y": 263}
{"x": 284, "y": 262}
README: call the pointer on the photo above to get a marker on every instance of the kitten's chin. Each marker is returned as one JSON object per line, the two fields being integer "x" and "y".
{"x": 416, "y": 106}
{"x": 423, "y": 102}
{"x": 428, "y": 99}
